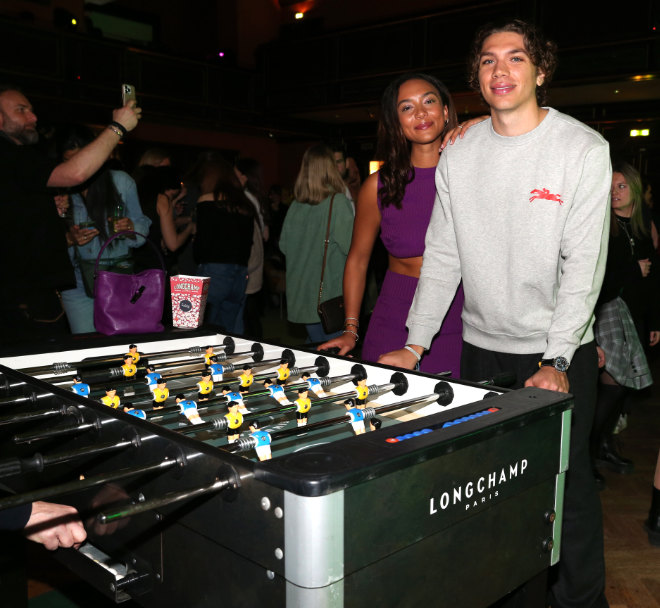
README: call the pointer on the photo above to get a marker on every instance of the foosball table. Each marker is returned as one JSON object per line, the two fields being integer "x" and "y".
{"x": 215, "y": 471}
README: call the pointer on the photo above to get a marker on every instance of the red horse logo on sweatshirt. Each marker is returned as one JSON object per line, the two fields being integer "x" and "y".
{"x": 545, "y": 194}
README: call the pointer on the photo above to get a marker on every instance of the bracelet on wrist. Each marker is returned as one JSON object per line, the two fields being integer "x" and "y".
{"x": 350, "y": 331}
{"x": 347, "y": 319}
{"x": 119, "y": 126}
{"x": 414, "y": 352}
{"x": 350, "y": 325}
{"x": 116, "y": 131}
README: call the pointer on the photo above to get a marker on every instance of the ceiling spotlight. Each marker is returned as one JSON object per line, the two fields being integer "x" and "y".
{"x": 299, "y": 15}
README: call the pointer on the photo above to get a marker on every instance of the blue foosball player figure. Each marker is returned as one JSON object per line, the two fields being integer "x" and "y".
{"x": 141, "y": 414}
{"x": 236, "y": 397}
{"x": 79, "y": 387}
{"x": 188, "y": 409}
{"x": 314, "y": 384}
{"x": 356, "y": 413}
{"x": 216, "y": 369}
{"x": 263, "y": 439}
{"x": 276, "y": 392}
{"x": 152, "y": 377}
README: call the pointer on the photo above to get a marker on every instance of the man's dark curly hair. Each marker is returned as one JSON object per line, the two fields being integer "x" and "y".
{"x": 542, "y": 52}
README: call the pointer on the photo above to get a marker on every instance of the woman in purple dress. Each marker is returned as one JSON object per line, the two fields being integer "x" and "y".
{"x": 416, "y": 111}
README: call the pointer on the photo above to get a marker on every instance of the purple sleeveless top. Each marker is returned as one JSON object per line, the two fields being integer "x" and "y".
{"x": 403, "y": 230}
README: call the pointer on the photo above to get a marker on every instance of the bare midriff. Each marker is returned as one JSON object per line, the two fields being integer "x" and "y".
{"x": 409, "y": 267}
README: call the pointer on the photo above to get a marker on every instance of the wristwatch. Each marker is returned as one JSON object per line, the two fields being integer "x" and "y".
{"x": 561, "y": 364}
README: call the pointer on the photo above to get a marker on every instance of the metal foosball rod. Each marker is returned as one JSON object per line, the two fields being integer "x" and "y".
{"x": 79, "y": 485}
{"x": 38, "y": 462}
{"x": 443, "y": 395}
{"x": 228, "y": 345}
{"x": 156, "y": 503}
{"x": 81, "y": 426}
{"x": 398, "y": 385}
{"x": 320, "y": 367}
{"x": 55, "y": 411}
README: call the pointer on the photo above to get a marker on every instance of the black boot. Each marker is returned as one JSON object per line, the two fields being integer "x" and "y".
{"x": 609, "y": 457}
{"x": 652, "y": 524}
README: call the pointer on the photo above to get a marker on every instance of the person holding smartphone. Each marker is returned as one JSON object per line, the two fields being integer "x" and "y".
{"x": 33, "y": 250}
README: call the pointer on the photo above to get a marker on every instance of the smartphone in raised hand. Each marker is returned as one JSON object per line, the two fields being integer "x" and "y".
{"x": 127, "y": 93}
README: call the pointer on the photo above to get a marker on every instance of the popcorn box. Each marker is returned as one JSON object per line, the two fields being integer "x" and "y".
{"x": 188, "y": 300}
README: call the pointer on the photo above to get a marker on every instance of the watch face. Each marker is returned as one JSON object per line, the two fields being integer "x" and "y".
{"x": 561, "y": 364}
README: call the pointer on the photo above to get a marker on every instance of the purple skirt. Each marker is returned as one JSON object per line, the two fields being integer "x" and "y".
{"x": 387, "y": 328}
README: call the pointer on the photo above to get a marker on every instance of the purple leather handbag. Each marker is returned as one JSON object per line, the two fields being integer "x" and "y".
{"x": 128, "y": 303}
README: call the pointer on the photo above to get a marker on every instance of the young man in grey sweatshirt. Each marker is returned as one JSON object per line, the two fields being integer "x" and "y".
{"x": 522, "y": 216}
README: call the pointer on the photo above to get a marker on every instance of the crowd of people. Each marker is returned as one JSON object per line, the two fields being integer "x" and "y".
{"x": 496, "y": 250}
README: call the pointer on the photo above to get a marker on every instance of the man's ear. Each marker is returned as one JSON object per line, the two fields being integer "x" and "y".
{"x": 540, "y": 78}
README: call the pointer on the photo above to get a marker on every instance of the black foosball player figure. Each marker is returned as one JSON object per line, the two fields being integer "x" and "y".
{"x": 216, "y": 369}
{"x": 205, "y": 386}
{"x": 208, "y": 353}
{"x": 276, "y": 392}
{"x": 356, "y": 413}
{"x": 263, "y": 439}
{"x": 235, "y": 396}
{"x": 111, "y": 399}
{"x": 160, "y": 393}
{"x": 188, "y": 409}
{"x": 129, "y": 368}
{"x": 234, "y": 422}
{"x": 303, "y": 405}
{"x": 283, "y": 372}
{"x": 79, "y": 387}
{"x": 133, "y": 352}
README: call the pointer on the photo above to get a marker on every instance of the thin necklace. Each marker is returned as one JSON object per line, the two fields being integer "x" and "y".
{"x": 631, "y": 241}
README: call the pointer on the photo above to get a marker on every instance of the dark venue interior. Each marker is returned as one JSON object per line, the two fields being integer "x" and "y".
{"x": 268, "y": 78}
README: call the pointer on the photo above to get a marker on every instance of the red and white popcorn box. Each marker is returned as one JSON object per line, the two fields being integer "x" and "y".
{"x": 188, "y": 300}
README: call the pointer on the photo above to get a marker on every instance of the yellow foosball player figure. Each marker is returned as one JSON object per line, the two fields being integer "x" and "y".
{"x": 188, "y": 409}
{"x": 160, "y": 393}
{"x": 246, "y": 378}
{"x": 303, "y": 405}
{"x": 361, "y": 390}
{"x": 208, "y": 353}
{"x": 234, "y": 422}
{"x": 283, "y": 372}
{"x": 205, "y": 386}
{"x": 263, "y": 439}
{"x": 129, "y": 368}
{"x": 133, "y": 352}
{"x": 111, "y": 399}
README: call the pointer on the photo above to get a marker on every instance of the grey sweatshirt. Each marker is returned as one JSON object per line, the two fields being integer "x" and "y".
{"x": 524, "y": 221}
